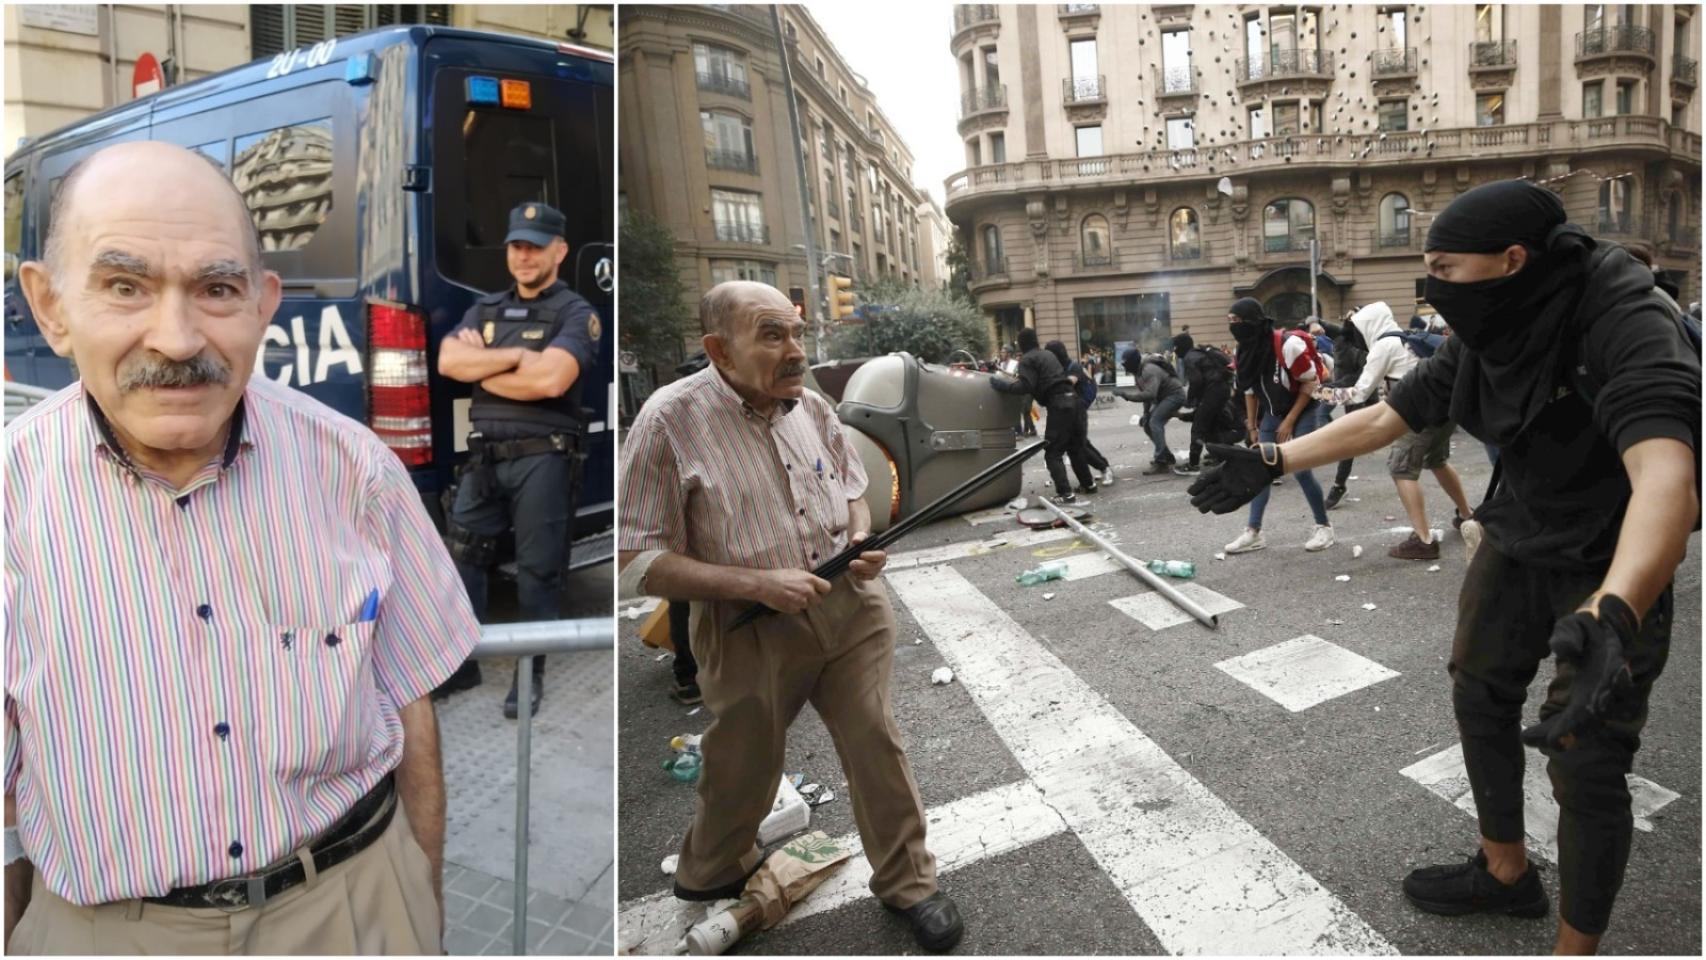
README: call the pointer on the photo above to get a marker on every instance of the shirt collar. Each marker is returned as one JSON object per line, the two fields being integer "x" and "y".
{"x": 515, "y": 291}
{"x": 106, "y": 440}
{"x": 730, "y": 395}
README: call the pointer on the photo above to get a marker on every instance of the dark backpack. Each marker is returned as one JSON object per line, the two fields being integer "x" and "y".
{"x": 1423, "y": 345}
{"x": 1161, "y": 361}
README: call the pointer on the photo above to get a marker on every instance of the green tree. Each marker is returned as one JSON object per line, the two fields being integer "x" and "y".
{"x": 929, "y": 324}
{"x": 959, "y": 270}
{"x": 655, "y": 317}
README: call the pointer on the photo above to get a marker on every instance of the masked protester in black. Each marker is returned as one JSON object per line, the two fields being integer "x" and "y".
{"x": 1349, "y": 355}
{"x": 1084, "y": 388}
{"x": 1562, "y": 354}
{"x": 1208, "y": 388}
{"x": 1041, "y": 377}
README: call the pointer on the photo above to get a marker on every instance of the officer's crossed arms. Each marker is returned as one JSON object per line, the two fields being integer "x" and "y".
{"x": 515, "y": 373}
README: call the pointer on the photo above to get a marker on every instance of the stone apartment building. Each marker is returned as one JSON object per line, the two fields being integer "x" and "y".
{"x": 1130, "y": 170}
{"x": 706, "y": 150}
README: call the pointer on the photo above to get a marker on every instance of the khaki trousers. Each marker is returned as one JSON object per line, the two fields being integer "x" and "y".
{"x": 837, "y": 656}
{"x": 378, "y": 902}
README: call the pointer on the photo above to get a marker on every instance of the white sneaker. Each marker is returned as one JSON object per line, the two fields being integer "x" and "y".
{"x": 1247, "y": 541}
{"x": 1321, "y": 539}
{"x": 1108, "y": 476}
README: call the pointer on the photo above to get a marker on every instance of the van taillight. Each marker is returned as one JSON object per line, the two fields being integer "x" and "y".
{"x": 399, "y": 408}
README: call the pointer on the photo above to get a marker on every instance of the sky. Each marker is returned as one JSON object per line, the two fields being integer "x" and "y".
{"x": 902, "y": 52}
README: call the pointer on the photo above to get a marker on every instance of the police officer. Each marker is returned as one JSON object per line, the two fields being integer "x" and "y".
{"x": 524, "y": 349}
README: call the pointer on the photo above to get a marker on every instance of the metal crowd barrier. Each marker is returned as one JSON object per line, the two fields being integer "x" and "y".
{"x": 22, "y": 396}
{"x": 524, "y": 641}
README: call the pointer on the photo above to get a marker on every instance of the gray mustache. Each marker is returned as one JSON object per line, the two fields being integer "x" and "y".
{"x": 161, "y": 372}
{"x": 791, "y": 370}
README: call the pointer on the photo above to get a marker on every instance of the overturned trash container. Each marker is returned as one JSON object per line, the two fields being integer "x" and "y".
{"x": 925, "y": 429}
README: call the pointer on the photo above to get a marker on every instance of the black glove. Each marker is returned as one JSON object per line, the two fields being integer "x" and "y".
{"x": 1597, "y": 647}
{"x": 1244, "y": 472}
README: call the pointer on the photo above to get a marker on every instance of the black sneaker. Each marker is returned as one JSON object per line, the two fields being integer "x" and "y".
{"x": 1457, "y": 521}
{"x": 1187, "y": 470}
{"x": 1066, "y": 498}
{"x": 1459, "y": 888}
{"x": 512, "y": 706}
{"x": 1334, "y": 495}
{"x": 1092, "y": 488}
{"x": 687, "y": 694}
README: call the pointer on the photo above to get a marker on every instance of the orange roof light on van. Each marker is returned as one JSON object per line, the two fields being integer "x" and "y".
{"x": 517, "y": 94}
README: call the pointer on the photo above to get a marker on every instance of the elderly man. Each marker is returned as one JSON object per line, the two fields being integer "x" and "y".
{"x": 225, "y": 609}
{"x": 736, "y": 482}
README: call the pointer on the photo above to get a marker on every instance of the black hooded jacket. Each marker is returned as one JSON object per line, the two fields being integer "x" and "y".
{"x": 1039, "y": 375}
{"x": 1564, "y": 489}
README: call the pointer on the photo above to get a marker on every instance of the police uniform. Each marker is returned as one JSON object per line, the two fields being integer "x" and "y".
{"x": 524, "y": 459}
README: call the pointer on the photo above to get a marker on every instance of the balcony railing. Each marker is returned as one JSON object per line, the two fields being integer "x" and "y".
{"x": 1084, "y": 89}
{"x": 1622, "y": 38}
{"x": 1684, "y": 70}
{"x": 1185, "y": 250}
{"x": 1105, "y": 260}
{"x": 971, "y": 14}
{"x": 738, "y": 160}
{"x": 742, "y": 231}
{"x": 1492, "y": 54}
{"x": 1287, "y": 63}
{"x": 719, "y": 82}
{"x": 1288, "y": 242}
{"x": 1175, "y": 81}
{"x": 1395, "y": 62}
{"x": 978, "y": 101}
{"x": 987, "y": 268}
{"x": 1079, "y": 9}
{"x": 1395, "y": 238}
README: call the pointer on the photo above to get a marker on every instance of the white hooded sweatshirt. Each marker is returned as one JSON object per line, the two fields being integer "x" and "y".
{"x": 1388, "y": 358}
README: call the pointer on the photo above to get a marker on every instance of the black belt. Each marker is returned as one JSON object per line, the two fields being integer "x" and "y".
{"x": 496, "y": 451}
{"x": 352, "y": 834}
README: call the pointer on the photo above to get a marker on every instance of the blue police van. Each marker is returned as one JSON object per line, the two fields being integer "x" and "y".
{"x": 380, "y": 170}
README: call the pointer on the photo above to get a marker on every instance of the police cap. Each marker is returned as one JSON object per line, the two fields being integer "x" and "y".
{"x": 535, "y": 223}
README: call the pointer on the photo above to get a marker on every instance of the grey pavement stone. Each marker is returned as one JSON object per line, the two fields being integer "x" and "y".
{"x": 546, "y": 908}
{"x": 486, "y": 919}
{"x": 465, "y": 943}
{"x": 563, "y": 943}
{"x": 588, "y": 920}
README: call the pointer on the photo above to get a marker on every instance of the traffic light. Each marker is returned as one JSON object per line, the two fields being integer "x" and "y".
{"x": 798, "y": 295}
{"x": 840, "y": 297}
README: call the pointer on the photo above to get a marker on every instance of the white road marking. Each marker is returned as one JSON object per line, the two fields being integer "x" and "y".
{"x": 1304, "y": 671}
{"x": 1200, "y": 877}
{"x": 1085, "y": 567}
{"x": 1158, "y": 613}
{"x": 949, "y": 552}
{"x": 960, "y": 833}
{"x": 992, "y": 515}
{"x": 1443, "y": 774}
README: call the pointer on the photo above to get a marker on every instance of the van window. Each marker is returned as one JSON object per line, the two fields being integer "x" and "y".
{"x": 285, "y": 177}
{"x": 217, "y": 152}
{"x": 14, "y": 217}
{"x": 508, "y": 161}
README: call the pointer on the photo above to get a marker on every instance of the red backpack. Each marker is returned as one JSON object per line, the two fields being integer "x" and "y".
{"x": 1309, "y": 358}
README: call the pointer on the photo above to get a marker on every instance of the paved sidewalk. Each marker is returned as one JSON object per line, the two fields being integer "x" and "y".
{"x": 571, "y": 884}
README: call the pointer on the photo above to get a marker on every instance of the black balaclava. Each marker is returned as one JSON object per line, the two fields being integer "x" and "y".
{"x": 1255, "y": 360}
{"x": 1059, "y": 350}
{"x": 1132, "y": 361}
{"x": 1183, "y": 344}
{"x": 1027, "y": 340}
{"x": 1491, "y": 315}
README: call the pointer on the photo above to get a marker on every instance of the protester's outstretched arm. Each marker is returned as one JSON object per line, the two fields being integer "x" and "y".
{"x": 1246, "y": 472}
{"x": 1349, "y": 436}
{"x": 1654, "y": 538}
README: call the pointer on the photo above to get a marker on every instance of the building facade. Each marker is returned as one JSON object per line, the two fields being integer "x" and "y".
{"x": 935, "y": 234}
{"x": 707, "y": 150}
{"x": 67, "y": 62}
{"x": 1131, "y": 170}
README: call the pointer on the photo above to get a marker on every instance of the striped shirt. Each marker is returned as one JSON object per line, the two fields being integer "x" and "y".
{"x": 193, "y": 686}
{"x": 706, "y": 476}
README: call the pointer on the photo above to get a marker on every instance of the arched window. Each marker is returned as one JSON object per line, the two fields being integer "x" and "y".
{"x": 1674, "y": 227}
{"x": 1394, "y": 220}
{"x": 1287, "y": 225}
{"x": 1185, "y": 234}
{"x": 1093, "y": 241}
{"x": 994, "y": 261}
{"x": 1616, "y": 199}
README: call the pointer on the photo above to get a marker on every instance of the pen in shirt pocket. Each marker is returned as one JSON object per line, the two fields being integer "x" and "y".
{"x": 370, "y": 607}
{"x": 820, "y": 466}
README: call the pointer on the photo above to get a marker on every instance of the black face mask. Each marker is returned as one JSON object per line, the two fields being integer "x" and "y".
{"x": 1243, "y": 332}
{"x": 1485, "y": 312}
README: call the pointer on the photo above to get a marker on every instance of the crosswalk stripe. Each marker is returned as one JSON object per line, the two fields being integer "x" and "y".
{"x": 1444, "y": 775}
{"x": 960, "y": 833}
{"x": 1304, "y": 671}
{"x": 1200, "y": 877}
{"x": 949, "y": 552}
{"x": 1158, "y": 613}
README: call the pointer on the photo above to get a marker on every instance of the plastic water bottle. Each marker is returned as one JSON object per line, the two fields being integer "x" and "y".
{"x": 1052, "y": 570}
{"x": 684, "y": 766}
{"x": 1178, "y": 569}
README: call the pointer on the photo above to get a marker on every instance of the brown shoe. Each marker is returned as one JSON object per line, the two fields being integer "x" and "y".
{"x": 1415, "y": 549}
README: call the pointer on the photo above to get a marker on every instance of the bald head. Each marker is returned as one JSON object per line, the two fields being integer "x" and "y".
{"x": 104, "y": 184}
{"x": 725, "y": 306}
{"x": 756, "y": 339}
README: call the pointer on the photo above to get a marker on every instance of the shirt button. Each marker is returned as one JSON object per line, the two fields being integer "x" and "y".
{"x": 802, "y": 511}
{"x": 235, "y": 849}
{"x": 204, "y": 611}
{"x": 333, "y": 639}
{"x": 814, "y": 556}
{"x": 222, "y": 729}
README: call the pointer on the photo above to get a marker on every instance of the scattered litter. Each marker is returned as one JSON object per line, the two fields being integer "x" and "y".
{"x": 917, "y": 640}
{"x": 942, "y": 675}
{"x": 1220, "y": 556}
{"x": 1050, "y": 596}
{"x": 694, "y": 711}
{"x": 1136, "y": 419}
{"x": 1434, "y": 568}
{"x": 1343, "y": 578}
{"x": 809, "y": 789}
{"x": 1335, "y": 623}
{"x": 1051, "y": 570}
{"x": 794, "y": 778}
{"x": 685, "y": 742}
{"x": 1356, "y": 550}
{"x": 1368, "y": 606}
{"x": 1391, "y": 518}
{"x": 1376, "y": 709}
{"x": 661, "y": 657}
{"x": 789, "y": 814}
{"x": 669, "y": 862}
{"x": 1355, "y": 499}
{"x": 1355, "y": 477}
{"x": 1019, "y": 503}
{"x": 822, "y": 798}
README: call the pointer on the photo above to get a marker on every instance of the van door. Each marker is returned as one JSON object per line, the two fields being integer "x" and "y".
{"x": 20, "y": 356}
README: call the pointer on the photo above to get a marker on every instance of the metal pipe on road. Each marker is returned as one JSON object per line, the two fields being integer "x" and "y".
{"x": 524, "y": 641}
{"x": 1143, "y": 573}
